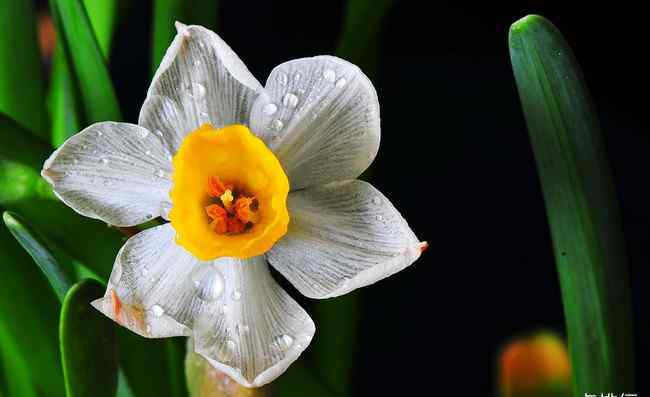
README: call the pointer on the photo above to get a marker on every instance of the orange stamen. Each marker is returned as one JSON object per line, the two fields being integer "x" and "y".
{"x": 235, "y": 225}
{"x": 243, "y": 209}
{"x": 216, "y": 187}
{"x": 219, "y": 218}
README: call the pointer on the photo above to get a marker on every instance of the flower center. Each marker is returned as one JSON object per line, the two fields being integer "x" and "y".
{"x": 229, "y": 194}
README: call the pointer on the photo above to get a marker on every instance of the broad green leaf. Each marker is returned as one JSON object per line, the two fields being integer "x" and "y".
{"x": 102, "y": 15}
{"x": 166, "y": 12}
{"x": 361, "y": 36}
{"x": 63, "y": 95}
{"x": 28, "y": 323}
{"x": 36, "y": 246}
{"x": 14, "y": 369}
{"x": 21, "y": 84}
{"x": 86, "y": 61}
{"x": 88, "y": 344}
{"x": 581, "y": 206}
{"x": 63, "y": 102}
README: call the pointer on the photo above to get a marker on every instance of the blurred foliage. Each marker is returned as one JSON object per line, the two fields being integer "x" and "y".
{"x": 581, "y": 205}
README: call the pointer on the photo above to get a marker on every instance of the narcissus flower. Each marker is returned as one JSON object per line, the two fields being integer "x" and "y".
{"x": 247, "y": 176}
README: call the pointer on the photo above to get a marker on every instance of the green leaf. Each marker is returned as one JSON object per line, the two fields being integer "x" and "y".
{"x": 102, "y": 15}
{"x": 88, "y": 344}
{"x": 87, "y": 63}
{"x": 166, "y": 12}
{"x": 28, "y": 324}
{"x": 21, "y": 83}
{"x": 581, "y": 206}
{"x": 36, "y": 246}
{"x": 63, "y": 95}
{"x": 361, "y": 36}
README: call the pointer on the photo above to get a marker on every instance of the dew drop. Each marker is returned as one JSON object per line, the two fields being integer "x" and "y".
{"x": 236, "y": 295}
{"x": 379, "y": 218}
{"x": 277, "y": 125}
{"x": 227, "y": 350}
{"x": 329, "y": 75}
{"x": 104, "y": 160}
{"x": 159, "y": 133}
{"x": 157, "y": 310}
{"x": 297, "y": 76}
{"x": 341, "y": 82}
{"x": 199, "y": 90}
{"x": 148, "y": 328}
{"x": 283, "y": 342}
{"x": 376, "y": 200}
{"x": 149, "y": 216}
{"x": 160, "y": 173}
{"x": 282, "y": 78}
{"x": 148, "y": 152}
{"x": 243, "y": 328}
{"x": 290, "y": 100}
{"x": 269, "y": 109}
{"x": 209, "y": 286}
{"x": 144, "y": 271}
{"x": 197, "y": 62}
{"x": 143, "y": 133}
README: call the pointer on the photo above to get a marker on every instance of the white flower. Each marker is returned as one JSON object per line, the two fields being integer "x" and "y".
{"x": 317, "y": 121}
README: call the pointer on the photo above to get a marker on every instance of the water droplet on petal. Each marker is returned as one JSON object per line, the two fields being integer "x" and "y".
{"x": 282, "y": 78}
{"x": 148, "y": 152}
{"x": 329, "y": 75}
{"x": 277, "y": 125}
{"x": 144, "y": 271}
{"x": 341, "y": 82}
{"x": 376, "y": 200}
{"x": 290, "y": 100}
{"x": 283, "y": 342}
{"x": 143, "y": 133}
{"x": 243, "y": 328}
{"x": 159, "y": 133}
{"x": 227, "y": 350}
{"x": 297, "y": 76}
{"x": 104, "y": 160}
{"x": 148, "y": 328}
{"x": 199, "y": 90}
{"x": 236, "y": 295}
{"x": 157, "y": 310}
{"x": 209, "y": 285}
{"x": 160, "y": 173}
{"x": 379, "y": 218}
{"x": 197, "y": 62}
{"x": 269, "y": 109}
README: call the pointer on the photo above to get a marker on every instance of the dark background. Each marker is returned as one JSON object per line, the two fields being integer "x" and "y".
{"x": 456, "y": 160}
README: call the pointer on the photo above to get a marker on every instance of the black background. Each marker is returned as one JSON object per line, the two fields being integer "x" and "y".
{"x": 456, "y": 161}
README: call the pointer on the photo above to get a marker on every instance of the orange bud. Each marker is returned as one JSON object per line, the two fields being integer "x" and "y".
{"x": 535, "y": 366}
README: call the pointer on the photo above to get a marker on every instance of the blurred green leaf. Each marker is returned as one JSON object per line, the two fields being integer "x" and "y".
{"x": 15, "y": 371}
{"x": 87, "y": 63}
{"x": 361, "y": 35}
{"x": 21, "y": 84}
{"x": 102, "y": 15}
{"x": 166, "y": 12}
{"x": 28, "y": 323}
{"x": 581, "y": 206}
{"x": 88, "y": 344}
{"x": 35, "y": 245}
{"x": 63, "y": 95}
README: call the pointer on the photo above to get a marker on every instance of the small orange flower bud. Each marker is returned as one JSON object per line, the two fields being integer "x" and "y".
{"x": 535, "y": 366}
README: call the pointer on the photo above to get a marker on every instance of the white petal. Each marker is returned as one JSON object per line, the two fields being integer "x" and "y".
{"x": 321, "y": 118}
{"x": 240, "y": 318}
{"x": 200, "y": 80}
{"x": 262, "y": 330}
{"x": 151, "y": 289}
{"x": 342, "y": 236}
{"x": 116, "y": 172}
